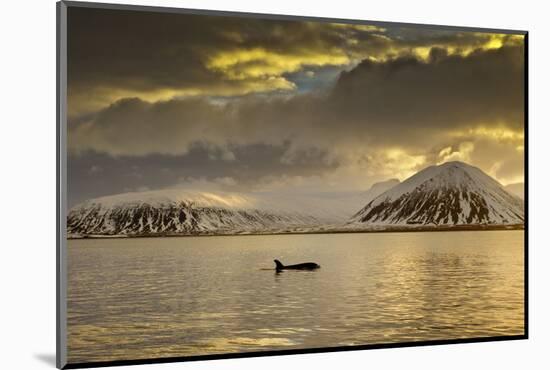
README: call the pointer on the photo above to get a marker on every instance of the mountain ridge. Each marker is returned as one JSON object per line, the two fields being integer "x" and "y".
{"x": 451, "y": 194}
{"x": 186, "y": 212}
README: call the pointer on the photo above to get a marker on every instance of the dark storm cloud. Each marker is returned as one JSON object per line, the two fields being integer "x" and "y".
{"x": 402, "y": 102}
{"x": 448, "y": 91}
{"x": 92, "y": 174}
{"x": 421, "y": 106}
{"x": 158, "y": 100}
{"x": 114, "y": 54}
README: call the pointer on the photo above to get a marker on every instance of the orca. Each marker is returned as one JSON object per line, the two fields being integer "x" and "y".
{"x": 300, "y": 266}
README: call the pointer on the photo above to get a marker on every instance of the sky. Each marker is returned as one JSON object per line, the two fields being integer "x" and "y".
{"x": 159, "y": 100}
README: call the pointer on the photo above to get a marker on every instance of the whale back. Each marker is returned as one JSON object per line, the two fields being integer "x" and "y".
{"x": 300, "y": 266}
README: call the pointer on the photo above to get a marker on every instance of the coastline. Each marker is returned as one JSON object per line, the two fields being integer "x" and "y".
{"x": 328, "y": 230}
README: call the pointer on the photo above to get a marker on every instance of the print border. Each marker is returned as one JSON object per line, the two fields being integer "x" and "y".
{"x": 61, "y": 186}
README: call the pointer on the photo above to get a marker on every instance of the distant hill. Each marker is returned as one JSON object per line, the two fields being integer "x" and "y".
{"x": 378, "y": 188}
{"x": 516, "y": 189}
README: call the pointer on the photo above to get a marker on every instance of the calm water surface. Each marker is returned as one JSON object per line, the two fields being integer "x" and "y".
{"x": 165, "y": 297}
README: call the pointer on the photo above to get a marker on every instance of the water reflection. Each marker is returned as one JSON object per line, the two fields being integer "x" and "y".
{"x": 142, "y": 298}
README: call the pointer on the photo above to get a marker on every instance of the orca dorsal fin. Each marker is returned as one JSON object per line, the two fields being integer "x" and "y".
{"x": 278, "y": 265}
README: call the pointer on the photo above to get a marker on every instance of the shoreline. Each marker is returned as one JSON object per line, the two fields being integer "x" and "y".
{"x": 392, "y": 229}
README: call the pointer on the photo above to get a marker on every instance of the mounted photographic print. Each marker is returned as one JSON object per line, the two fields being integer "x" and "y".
{"x": 236, "y": 184}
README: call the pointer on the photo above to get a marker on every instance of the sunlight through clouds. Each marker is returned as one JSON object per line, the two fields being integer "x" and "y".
{"x": 318, "y": 105}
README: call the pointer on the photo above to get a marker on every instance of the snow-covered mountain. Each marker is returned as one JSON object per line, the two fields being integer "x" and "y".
{"x": 453, "y": 193}
{"x": 450, "y": 194}
{"x": 191, "y": 212}
{"x": 178, "y": 211}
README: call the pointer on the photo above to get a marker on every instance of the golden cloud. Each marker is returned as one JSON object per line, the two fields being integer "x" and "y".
{"x": 358, "y": 27}
{"x": 401, "y": 164}
{"x": 462, "y": 154}
{"x": 99, "y": 98}
{"x": 482, "y": 41}
{"x": 262, "y": 64}
{"x": 499, "y": 133}
{"x": 232, "y": 65}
